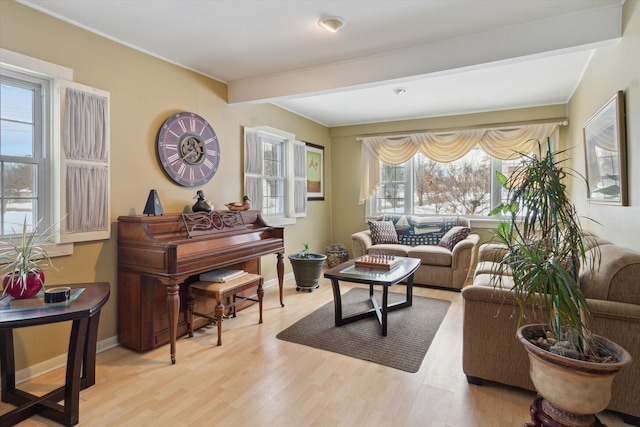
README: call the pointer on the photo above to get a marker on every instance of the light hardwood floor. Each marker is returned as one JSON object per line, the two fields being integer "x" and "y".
{"x": 254, "y": 379}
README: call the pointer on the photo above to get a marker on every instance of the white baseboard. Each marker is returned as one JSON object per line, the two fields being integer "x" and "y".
{"x": 60, "y": 361}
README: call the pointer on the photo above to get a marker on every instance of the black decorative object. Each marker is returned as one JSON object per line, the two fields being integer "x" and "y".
{"x": 153, "y": 206}
{"x": 201, "y": 205}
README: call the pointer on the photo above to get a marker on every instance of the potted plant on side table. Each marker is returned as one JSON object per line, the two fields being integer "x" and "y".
{"x": 22, "y": 259}
{"x": 307, "y": 268}
{"x": 545, "y": 247}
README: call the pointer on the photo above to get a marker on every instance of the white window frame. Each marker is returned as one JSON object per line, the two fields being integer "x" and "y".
{"x": 41, "y": 155}
{"x": 288, "y": 217}
{"x": 59, "y": 78}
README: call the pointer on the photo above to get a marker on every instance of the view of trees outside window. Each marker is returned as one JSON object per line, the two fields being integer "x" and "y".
{"x": 423, "y": 186}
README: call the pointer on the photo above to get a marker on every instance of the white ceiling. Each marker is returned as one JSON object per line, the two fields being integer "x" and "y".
{"x": 452, "y": 56}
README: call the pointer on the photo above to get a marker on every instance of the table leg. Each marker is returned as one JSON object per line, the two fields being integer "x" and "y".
{"x": 337, "y": 301}
{"x": 410, "y": 291}
{"x": 90, "y": 350}
{"x": 7, "y": 364}
{"x": 385, "y": 309}
{"x": 280, "y": 270}
{"x": 173, "y": 304}
{"x": 73, "y": 381}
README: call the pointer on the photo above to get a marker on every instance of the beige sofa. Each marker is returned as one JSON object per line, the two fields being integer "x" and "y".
{"x": 492, "y": 352}
{"x": 439, "y": 266}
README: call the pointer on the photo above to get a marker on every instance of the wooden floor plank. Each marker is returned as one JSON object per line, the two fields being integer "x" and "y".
{"x": 254, "y": 379}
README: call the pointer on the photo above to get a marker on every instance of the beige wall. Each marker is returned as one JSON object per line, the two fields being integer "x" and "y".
{"x": 144, "y": 92}
{"x": 350, "y": 216}
{"x": 612, "y": 69}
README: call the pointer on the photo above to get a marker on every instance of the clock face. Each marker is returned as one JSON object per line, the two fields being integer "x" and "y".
{"x": 188, "y": 149}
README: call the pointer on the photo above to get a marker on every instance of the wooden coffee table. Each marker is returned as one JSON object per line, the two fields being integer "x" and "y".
{"x": 348, "y": 272}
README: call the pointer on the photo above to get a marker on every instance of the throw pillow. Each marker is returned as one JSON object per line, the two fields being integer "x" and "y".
{"x": 383, "y": 232}
{"x": 453, "y": 236}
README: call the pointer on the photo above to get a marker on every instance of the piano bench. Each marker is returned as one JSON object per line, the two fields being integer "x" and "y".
{"x": 221, "y": 292}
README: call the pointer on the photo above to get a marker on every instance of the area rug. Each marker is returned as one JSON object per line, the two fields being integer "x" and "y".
{"x": 409, "y": 335}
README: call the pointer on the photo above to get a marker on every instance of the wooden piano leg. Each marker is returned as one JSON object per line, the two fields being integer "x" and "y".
{"x": 260, "y": 296}
{"x": 280, "y": 270}
{"x": 191, "y": 305}
{"x": 173, "y": 304}
{"x": 219, "y": 311}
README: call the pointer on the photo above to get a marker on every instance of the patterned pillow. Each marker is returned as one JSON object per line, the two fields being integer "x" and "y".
{"x": 383, "y": 232}
{"x": 416, "y": 230}
{"x": 453, "y": 236}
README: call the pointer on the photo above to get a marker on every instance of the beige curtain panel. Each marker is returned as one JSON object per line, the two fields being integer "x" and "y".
{"x": 87, "y": 198}
{"x": 446, "y": 147}
{"x": 85, "y": 126}
{"x": 86, "y": 141}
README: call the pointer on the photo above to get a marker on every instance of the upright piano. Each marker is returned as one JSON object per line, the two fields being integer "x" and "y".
{"x": 159, "y": 256}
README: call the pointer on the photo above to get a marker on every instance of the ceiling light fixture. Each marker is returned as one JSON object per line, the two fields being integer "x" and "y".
{"x": 332, "y": 23}
{"x": 399, "y": 90}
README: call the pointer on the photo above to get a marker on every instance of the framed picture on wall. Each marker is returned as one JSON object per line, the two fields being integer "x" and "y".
{"x": 315, "y": 171}
{"x": 605, "y": 153}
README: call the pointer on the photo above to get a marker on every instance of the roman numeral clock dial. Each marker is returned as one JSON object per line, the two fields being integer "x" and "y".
{"x": 188, "y": 149}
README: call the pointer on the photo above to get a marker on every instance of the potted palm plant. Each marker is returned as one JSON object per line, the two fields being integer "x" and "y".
{"x": 22, "y": 260}
{"x": 545, "y": 247}
{"x": 307, "y": 268}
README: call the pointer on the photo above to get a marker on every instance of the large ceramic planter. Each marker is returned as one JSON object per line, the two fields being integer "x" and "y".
{"x": 307, "y": 271}
{"x": 15, "y": 287}
{"x": 572, "y": 390}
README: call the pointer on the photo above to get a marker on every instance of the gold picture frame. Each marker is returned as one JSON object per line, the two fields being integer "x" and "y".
{"x": 315, "y": 171}
{"x": 605, "y": 153}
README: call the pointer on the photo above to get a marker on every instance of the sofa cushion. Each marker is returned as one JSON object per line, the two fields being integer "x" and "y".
{"x": 453, "y": 236}
{"x": 490, "y": 267}
{"x": 617, "y": 277}
{"x": 383, "y": 232}
{"x": 417, "y": 230}
{"x": 431, "y": 255}
{"x": 390, "y": 249}
{"x": 488, "y": 280}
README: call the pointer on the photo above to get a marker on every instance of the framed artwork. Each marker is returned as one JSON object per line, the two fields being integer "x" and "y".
{"x": 315, "y": 171}
{"x": 605, "y": 153}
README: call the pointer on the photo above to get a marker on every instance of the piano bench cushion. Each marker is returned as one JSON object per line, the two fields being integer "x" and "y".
{"x": 219, "y": 290}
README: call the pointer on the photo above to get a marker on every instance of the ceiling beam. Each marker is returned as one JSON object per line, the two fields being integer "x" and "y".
{"x": 585, "y": 30}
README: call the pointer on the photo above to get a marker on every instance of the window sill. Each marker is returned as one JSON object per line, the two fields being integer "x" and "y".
{"x": 280, "y": 221}
{"x": 60, "y": 249}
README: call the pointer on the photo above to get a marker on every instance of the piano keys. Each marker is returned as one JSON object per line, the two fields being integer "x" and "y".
{"x": 159, "y": 256}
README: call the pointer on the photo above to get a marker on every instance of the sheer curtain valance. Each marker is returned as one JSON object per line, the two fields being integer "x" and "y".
{"x": 446, "y": 147}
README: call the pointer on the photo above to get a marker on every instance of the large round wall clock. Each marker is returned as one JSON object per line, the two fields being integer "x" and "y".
{"x": 188, "y": 149}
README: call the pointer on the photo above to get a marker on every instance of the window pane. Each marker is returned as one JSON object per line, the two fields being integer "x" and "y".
{"x": 16, "y": 139}
{"x": 18, "y": 196}
{"x": 461, "y": 187}
{"x": 273, "y": 155}
{"x": 16, "y": 103}
{"x": 273, "y": 199}
{"x": 14, "y": 214}
{"x": 390, "y": 195}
